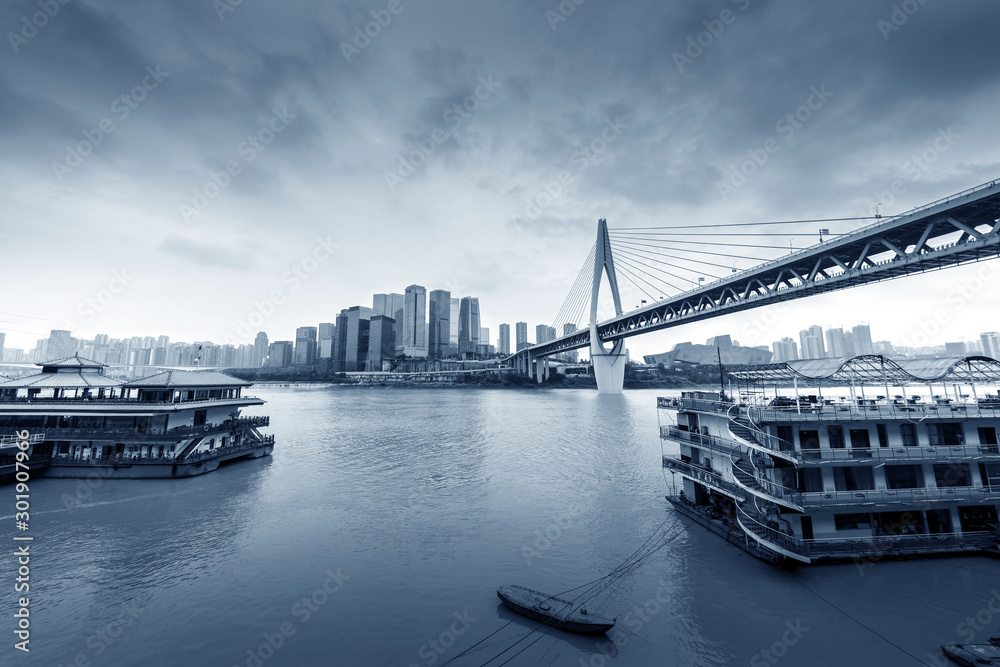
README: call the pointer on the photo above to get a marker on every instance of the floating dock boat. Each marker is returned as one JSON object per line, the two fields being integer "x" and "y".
{"x": 551, "y": 610}
{"x": 974, "y": 655}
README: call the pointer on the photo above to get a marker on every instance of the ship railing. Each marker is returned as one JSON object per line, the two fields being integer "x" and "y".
{"x": 889, "y": 543}
{"x": 896, "y": 496}
{"x": 756, "y": 482}
{"x": 102, "y": 433}
{"x": 915, "y": 453}
{"x": 697, "y": 439}
{"x": 846, "y": 412}
{"x": 129, "y": 459}
{"x": 704, "y": 475}
{"x": 770, "y": 536}
{"x": 703, "y": 405}
{"x": 742, "y": 425}
{"x": 92, "y": 400}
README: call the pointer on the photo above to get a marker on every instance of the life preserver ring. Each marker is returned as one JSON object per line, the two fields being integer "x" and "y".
{"x": 206, "y": 428}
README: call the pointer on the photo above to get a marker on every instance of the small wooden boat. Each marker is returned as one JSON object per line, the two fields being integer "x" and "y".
{"x": 553, "y": 611}
{"x": 974, "y": 655}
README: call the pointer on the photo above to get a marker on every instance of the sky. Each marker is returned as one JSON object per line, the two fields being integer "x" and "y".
{"x": 207, "y": 169}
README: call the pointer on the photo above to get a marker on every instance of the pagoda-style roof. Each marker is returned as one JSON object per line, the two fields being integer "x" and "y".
{"x": 177, "y": 379}
{"x": 62, "y": 380}
{"x": 873, "y": 369}
{"x": 73, "y": 363}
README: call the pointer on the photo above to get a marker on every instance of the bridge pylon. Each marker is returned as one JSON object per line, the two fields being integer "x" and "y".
{"x": 609, "y": 365}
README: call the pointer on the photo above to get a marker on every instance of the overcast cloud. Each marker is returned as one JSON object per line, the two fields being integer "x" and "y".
{"x": 228, "y": 142}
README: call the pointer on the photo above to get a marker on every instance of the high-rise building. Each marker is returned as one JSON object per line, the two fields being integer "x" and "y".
{"x": 391, "y": 305}
{"x": 484, "y": 342}
{"x": 544, "y": 333}
{"x": 521, "y": 334}
{"x": 785, "y": 349}
{"x": 503, "y": 344}
{"x": 305, "y": 346}
{"x": 414, "y": 320}
{"x": 990, "y": 342}
{"x": 811, "y": 343}
{"x": 324, "y": 346}
{"x": 439, "y": 323}
{"x": 381, "y": 342}
{"x": 353, "y": 333}
{"x": 60, "y": 344}
{"x": 861, "y": 337}
{"x": 836, "y": 343}
{"x": 468, "y": 326}
{"x": 260, "y": 347}
{"x": 280, "y": 354}
{"x": 456, "y": 307}
{"x": 956, "y": 349}
{"x": 570, "y": 356}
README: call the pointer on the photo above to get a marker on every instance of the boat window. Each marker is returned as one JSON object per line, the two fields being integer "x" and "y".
{"x": 883, "y": 435}
{"x": 836, "y": 434}
{"x": 987, "y": 435}
{"x": 949, "y": 435}
{"x": 856, "y": 478}
{"x": 810, "y": 480}
{"x": 952, "y": 474}
{"x": 909, "y": 434}
{"x": 809, "y": 439}
{"x": 904, "y": 477}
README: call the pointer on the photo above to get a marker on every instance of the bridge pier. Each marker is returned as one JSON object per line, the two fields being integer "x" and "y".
{"x": 609, "y": 367}
{"x": 542, "y": 369}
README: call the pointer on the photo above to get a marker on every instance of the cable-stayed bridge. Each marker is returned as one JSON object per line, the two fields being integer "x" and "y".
{"x": 957, "y": 230}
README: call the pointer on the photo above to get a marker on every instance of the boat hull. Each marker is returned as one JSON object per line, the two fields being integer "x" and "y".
{"x": 552, "y": 611}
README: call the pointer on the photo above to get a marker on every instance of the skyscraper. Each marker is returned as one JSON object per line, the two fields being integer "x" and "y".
{"x": 280, "y": 354}
{"x": 391, "y": 305}
{"x": 811, "y": 343}
{"x": 61, "y": 344}
{"x": 468, "y": 325}
{"x": 259, "y": 349}
{"x": 305, "y": 346}
{"x": 521, "y": 334}
{"x": 324, "y": 347}
{"x": 861, "y": 337}
{"x": 439, "y": 323}
{"x": 544, "y": 333}
{"x": 414, "y": 320}
{"x": 836, "y": 345}
{"x": 990, "y": 342}
{"x": 504, "y": 342}
{"x": 570, "y": 356}
{"x": 381, "y": 342}
{"x": 785, "y": 350}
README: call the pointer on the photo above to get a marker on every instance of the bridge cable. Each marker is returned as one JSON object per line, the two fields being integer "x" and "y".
{"x": 682, "y": 259}
{"x": 573, "y": 308}
{"x": 702, "y": 252}
{"x": 632, "y": 280}
{"x": 638, "y": 259}
{"x": 629, "y": 262}
{"x": 716, "y": 243}
{"x": 573, "y": 295}
{"x": 714, "y": 234}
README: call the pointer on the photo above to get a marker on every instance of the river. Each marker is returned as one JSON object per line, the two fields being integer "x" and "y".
{"x": 379, "y": 530}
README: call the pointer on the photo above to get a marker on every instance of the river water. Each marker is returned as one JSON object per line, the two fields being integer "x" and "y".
{"x": 380, "y": 528}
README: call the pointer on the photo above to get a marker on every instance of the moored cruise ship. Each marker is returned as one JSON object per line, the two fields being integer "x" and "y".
{"x": 796, "y": 476}
{"x": 80, "y": 421}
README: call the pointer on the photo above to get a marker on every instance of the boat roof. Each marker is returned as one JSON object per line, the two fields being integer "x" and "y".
{"x": 874, "y": 369}
{"x": 76, "y": 361}
{"x": 63, "y": 380}
{"x": 188, "y": 379}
